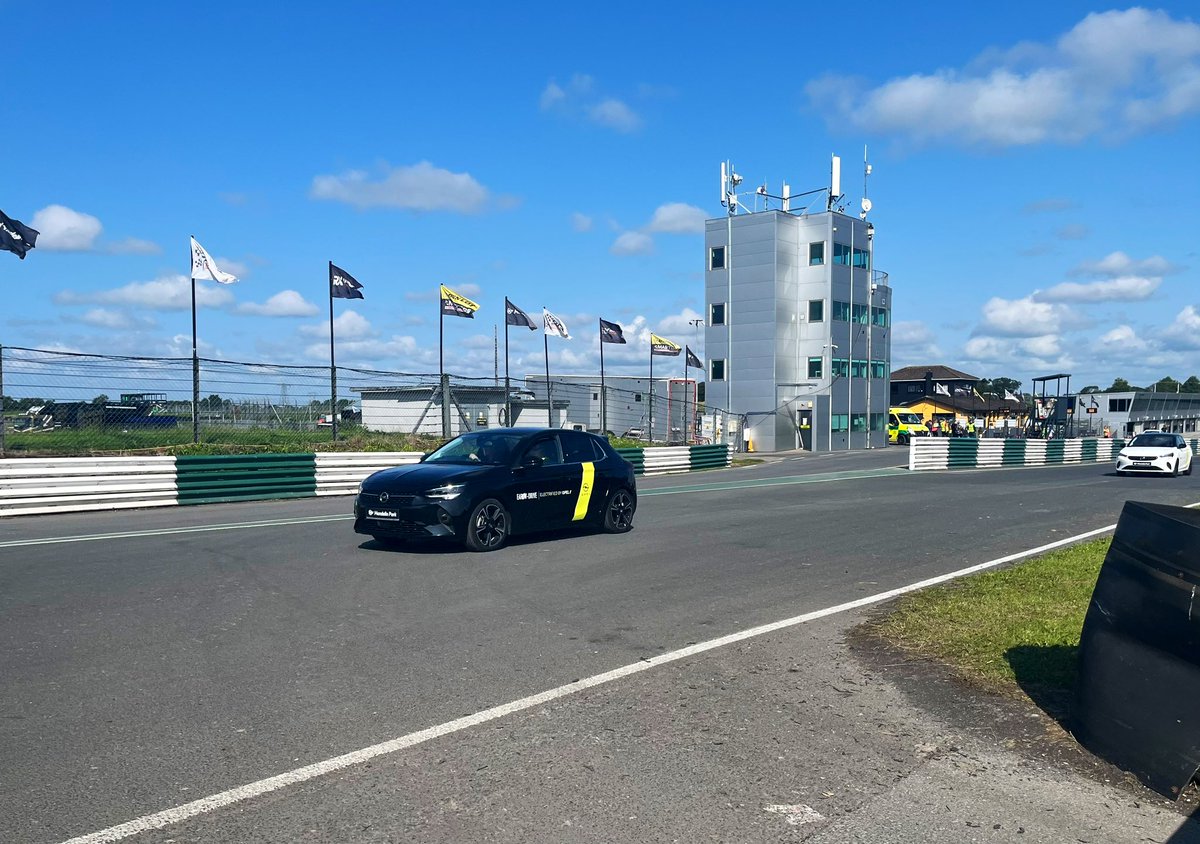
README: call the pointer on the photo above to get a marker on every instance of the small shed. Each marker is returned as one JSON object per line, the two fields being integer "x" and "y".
{"x": 418, "y": 409}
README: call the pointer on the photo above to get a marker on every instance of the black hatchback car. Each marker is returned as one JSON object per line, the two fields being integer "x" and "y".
{"x": 485, "y": 486}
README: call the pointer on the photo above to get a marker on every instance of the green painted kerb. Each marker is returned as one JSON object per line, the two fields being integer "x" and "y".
{"x": 245, "y": 477}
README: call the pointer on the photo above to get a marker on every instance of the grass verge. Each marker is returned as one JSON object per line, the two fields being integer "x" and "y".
{"x": 1016, "y": 627}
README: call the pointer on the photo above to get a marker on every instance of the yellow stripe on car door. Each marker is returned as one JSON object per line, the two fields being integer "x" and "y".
{"x": 585, "y": 491}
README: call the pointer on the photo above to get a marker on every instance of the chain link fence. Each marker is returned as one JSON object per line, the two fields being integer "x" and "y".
{"x": 67, "y": 403}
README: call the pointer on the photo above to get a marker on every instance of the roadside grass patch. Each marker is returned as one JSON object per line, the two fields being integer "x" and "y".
{"x": 1016, "y": 627}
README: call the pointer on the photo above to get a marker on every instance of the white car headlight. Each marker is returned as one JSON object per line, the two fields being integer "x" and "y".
{"x": 446, "y": 491}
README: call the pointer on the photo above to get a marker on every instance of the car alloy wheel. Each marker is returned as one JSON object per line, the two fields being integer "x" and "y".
{"x": 488, "y": 526}
{"x": 618, "y": 515}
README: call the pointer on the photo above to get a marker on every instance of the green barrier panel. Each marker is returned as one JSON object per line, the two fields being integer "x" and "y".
{"x": 963, "y": 453}
{"x": 1089, "y": 451}
{"x": 636, "y": 456}
{"x": 1014, "y": 453}
{"x": 245, "y": 477}
{"x": 1054, "y": 451}
{"x": 708, "y": 456}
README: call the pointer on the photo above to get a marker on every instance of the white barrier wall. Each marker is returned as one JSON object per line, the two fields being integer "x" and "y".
{"x": 340, "y": 473}
{"x": 73, "y": 484}
{"x": 667, "y": 460}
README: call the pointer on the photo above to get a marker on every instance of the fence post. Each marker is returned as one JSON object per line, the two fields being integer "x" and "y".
{"x": 2, "y": 422}
{"x": 446, "y": 405}
{"x": 195, "y": 397}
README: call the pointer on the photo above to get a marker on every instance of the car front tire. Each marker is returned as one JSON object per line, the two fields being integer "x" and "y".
{"x": 618, "y": 512}
{"x": 489, "y": 526}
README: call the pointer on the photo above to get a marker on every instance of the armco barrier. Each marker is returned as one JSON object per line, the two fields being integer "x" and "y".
{"x": 710, "y": 456}
{"x": 668, "y": 460}
{"x": 64, "y": 484}
{"x": 245, "y": 477}
{"x": 72, "y": 484}
{"x": 339, "y": 473}
{"x": 969, "y": 453}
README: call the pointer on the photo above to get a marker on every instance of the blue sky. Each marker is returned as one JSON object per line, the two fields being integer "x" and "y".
{"x": 1033, "y": 188}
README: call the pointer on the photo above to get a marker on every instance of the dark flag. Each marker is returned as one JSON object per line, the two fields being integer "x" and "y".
{"x": 515, "y": 316}
{"x": 342, "y": 285}
{"x": 454, "y": 304}
{"x": 693, "y": 361}
{"x": 610, "y": 332}
{"x": 663, "y": 346}
{"x": 15, "y": 236}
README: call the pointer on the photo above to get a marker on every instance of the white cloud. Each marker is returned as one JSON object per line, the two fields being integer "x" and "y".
{"x": 581, "y": 222}
{"x": 348, "y": 324}
{"x": 63, "y": 229}
{"x": 1123, "y": 339}
{"x": 552, "y": 95}
{"x": 133, "y": 246}
{"x": 632, "y": 243}
{"x": 1124, "y": 289}
{"x": 285, "y": 303}
{"x": 105, "y": 318}
{"x": 1072, "y": 231}
{"x": 1014, "y": 354}
{"x": 1117, "y": 264}
{"x": 1115, "y": 73}
{"x": 913, "y": 341}
{"x": 614, "y": 114}
{"x": 1022, "y": 318}
{"x": 418, "y": 187}
{"x": 166, "y": 293}
{"x": 579, "y": 100}
{"x": 677, "y": 218}
{"x": 1184, "y": 332}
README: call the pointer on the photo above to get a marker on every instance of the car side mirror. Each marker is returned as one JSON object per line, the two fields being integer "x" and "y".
{"x": 423, "y": 456}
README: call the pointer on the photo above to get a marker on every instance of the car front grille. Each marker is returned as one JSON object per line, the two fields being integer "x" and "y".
{"x": 401, "y": 528}
{"x": 372, "y": 499}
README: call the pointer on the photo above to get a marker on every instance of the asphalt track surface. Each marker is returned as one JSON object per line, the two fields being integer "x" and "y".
{"x": 154, "y": 657}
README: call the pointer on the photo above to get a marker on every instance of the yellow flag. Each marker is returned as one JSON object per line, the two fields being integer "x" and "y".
{"x": 455, "y": 305}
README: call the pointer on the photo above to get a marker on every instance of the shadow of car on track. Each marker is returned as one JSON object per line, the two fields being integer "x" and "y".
{"x": 436, "y": 547}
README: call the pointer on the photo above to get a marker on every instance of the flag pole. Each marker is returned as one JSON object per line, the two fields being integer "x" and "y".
{"x": 507, "y": 388}
{"x": 442, "y": 367}
{"x": 195, "y": 358}
{"x": 333, "y": 411}
{"x": 650, "y": 428}
{"x": 686, "y": 421}
{"x": 603, "y": 402}
{"x": 549, "y": 403}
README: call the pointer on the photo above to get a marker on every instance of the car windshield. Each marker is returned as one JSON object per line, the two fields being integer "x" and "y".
{"x": 1153, "y": 441}
{"x": 909, "y": 418}
{"x": 482, "y": 448}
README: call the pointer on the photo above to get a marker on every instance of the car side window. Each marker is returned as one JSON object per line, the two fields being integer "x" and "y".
{"x": 598, "y": 453}
{"x": 547, "y": 450}
{"x": 577, "y": 447}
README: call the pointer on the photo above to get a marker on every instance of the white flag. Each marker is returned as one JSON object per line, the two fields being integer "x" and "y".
{"x": 1008, "y": 396}
{"x": 941, "y": 389}
{"x": 203, "y": 266}
{"x": 554, "y": 325}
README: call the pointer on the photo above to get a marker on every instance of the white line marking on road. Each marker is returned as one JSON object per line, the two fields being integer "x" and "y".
{"x": 167, "y": 817}
{"x": 796, "y": 815}
{"x": 133, "y": 534}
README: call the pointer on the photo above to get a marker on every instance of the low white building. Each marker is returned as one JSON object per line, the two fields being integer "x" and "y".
{"x": 418, "y": 409}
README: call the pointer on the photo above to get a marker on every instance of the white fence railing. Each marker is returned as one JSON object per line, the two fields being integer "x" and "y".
{"x": 341, "y": 473}
{"x": 75, "y": 484}
{"x": 667, "y": 460}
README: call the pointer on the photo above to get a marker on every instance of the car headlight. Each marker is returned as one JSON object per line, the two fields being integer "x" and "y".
{"x": 446, "y": 491}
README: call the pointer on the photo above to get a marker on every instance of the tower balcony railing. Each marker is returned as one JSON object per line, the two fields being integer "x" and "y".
{"x": 879, "y": 277}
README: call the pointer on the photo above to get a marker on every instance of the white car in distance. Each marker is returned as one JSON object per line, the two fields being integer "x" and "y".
{"x": 1155, "y": 453}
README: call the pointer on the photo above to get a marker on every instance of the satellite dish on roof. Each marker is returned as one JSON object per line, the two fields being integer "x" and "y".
{"x": 866, "y": 205}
